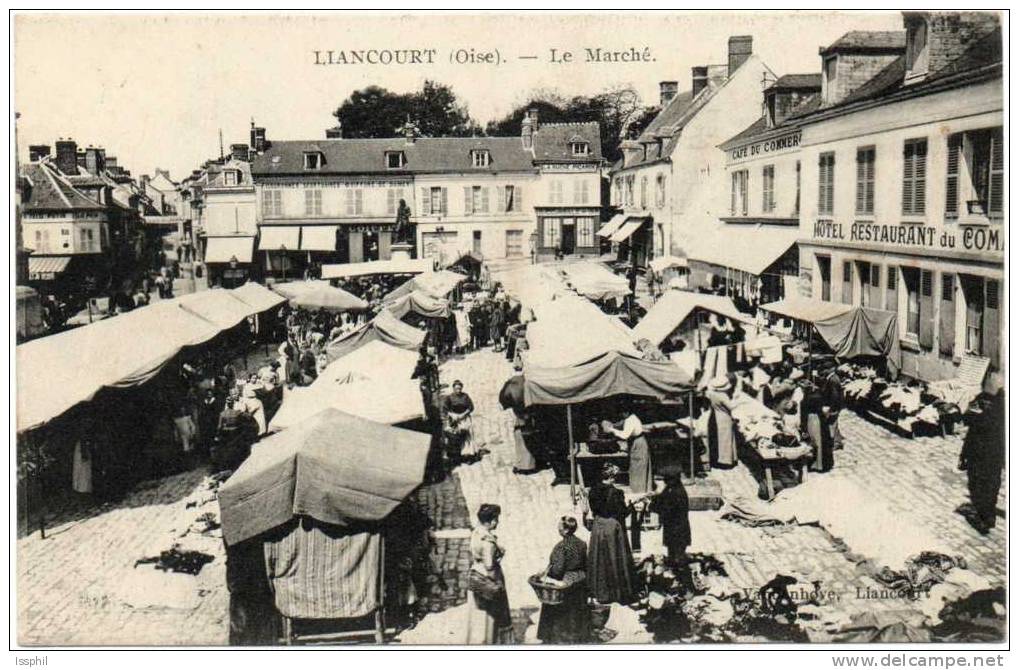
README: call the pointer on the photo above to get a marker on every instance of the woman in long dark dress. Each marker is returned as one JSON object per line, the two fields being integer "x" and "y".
{"x": 567, "y": 622}
{"x": 672, "y": 505}
{"x": 609, "y": 561}
{"x": 814, "y": 424}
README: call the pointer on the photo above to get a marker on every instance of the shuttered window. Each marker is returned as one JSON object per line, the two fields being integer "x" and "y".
{"x": 824, "y": 269}
{"x": 847, "y": 283}
{"x": 952, "y": 176}
{"x": 865, "y": 180}
{"x": 992, "y": 323}
{"x": 914, "y": 177}
{"x": 796, "y": 207}
{"x": 313, "y": 201}
{"x": 768, "y": 189}
{"x": 946, "y": 325}
{"x": 926, "y": 309}
{"x": 892, "y": 289}
{"x": 826, "y": 184}
{"x": 996, "y": 197}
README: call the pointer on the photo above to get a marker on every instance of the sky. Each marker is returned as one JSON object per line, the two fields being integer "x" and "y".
{"x": 156, "y": 89}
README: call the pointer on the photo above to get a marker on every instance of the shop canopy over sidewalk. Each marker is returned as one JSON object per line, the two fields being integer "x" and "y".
{"x": 806, "y": 309}
{"x": 336, "y": 468}
{"x": 673, "y": 308}
{"x": 396, "y": 266}
{"x": 608, "y": 375}
{"x": 752, "y": 250}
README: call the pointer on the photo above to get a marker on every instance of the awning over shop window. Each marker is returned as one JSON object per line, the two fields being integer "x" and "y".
{"x": 751, "y": 250}
{"x": 318, "y": 238}
{"x": 274, "y": 237}
{"x": 612, "y": 226}
{"x": 223, "y": 249}
{"x": 47, "y": 267}
{"x": 628, "y": 229}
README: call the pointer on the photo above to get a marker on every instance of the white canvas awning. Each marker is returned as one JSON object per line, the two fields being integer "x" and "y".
{"x": 274, "y": 237}
{"x": 226, "y": 249}
{"x": 628, "y": 229}
{"x": 612, "y": 226}
{"x": 393, "y": 266}
{"x": 318, "y": 238}
{"x": 751, "y": 250}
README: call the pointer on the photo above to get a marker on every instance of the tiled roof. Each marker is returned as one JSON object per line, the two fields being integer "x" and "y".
{"x": 552, "y": 141}
{"x": 759, "y": 128}
{"x": 427, "y": 154}
{"x": 52, "y": 191}
{"x": 868, "y": 40}
{"x": 811, "y": 80}
{"x": 672, "y": 111}
{"x": 218, "y": 180}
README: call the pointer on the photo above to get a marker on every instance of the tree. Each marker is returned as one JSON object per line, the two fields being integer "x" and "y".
{"x": 641, "y": 121}
{"x": 614, "y": 109}
{"x": 378, "y": 112}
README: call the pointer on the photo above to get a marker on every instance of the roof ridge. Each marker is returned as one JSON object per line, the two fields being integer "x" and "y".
{"x": 56, "y": 186}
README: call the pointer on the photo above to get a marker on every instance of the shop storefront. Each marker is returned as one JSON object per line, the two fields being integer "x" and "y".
{"x": 570, "y": 231}
{"x": 228, "y": 260}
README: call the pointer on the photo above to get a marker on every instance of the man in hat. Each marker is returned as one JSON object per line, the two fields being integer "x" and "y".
{"x": 983, "y": 457}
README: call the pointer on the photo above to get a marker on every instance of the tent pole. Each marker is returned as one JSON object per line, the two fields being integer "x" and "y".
{"x": 380, "y": 617}
{"x": 573, "y": 454}
{"x": 693, "y": 456}
{"x": 810, "y": 349}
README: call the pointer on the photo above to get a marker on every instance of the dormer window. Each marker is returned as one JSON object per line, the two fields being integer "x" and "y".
{"x": 313, "y": 160}
{"x": 395, "y": 160}
{"x": 830, "y": 69}
{"x": 916, "y": 48}
{"x": 231, "y": 177}
{"x": 580, "y": 148}
{"x": 481, "y": 158}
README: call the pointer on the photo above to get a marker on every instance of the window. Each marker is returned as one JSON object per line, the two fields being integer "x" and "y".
{"x": 480, "y": 157}
{"x": 865, "y": 180}
{"x": 585, "y": 231}
{"x": 919, "y": 305}
{"x": 892, "y": 290}
{"x": 643, "y": 192}
{"x": 550, "y": 233}
{"x": 738, "y": 197}
{"x": 847, "y": 283}
{"x": 312, "y": 201}
{"x": 916, "y": 49}
{"x": 796, "y": 206}
{"x": 581, "y": 192}
{"x": 975, "y": 173}
{"x": 435, "y": 200}
{"x": 514, "y": 243}
{"x": 824, "y": 271}
{"x": 90, "y": 239}
{"x": 914, "y": 177}
{"x": 272, "y": 203}
{"x": 509, "y": 199}
{"x": 556, "y": 192}
{"x": 231, "y": 177}
{"x": 395, "y": 160}
{"x": 580, "y": 148}
{"x": 313, "y": 160}
{"x": 629, "y": 190}
{"x": 826, "y": 184}
{"x": 475, "y": 200}
{"x": 618, "y": 197}
{"x": 393, "y": 198}
{"x": 830, "y": 70}
{"x": 768, "y": 189}
{"x": 354, "y": 201}
{"x": 660, "y": 190}
{"x": 946, "y": 328}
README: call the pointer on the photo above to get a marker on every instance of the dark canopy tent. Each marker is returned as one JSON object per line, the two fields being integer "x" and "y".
{"x": 317, "y": 496}
{"x": 384, "y": 327}
{"x": 470, "y": 262}
{"x": 419, "y": 303}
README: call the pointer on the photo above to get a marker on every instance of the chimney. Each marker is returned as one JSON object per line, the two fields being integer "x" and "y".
{"x": 947, "y": 34}
{"x": 740, "y": 48}
{"x": 698, "y": 79}
{"x": 67, "y": 156}
{"x": 409, "y": 130}
{"x": 79, "y": 159}
{"x": 335, "y": 133}
{"x": 36, "y": 152}
{"x": 239, "y": 152}
{"x": 667, "y": 91}
{"x": 95, "y": 160}
{"x": 111, "y": 161}
{"x": 856, "y": 58}
{"x": 258, "y": 141}
{"x": 633, "y": 152}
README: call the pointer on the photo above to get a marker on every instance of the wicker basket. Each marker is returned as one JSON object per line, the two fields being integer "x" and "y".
{"x": 548, "y": 594}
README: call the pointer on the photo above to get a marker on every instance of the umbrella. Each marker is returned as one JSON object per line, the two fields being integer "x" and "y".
{"x": 512, "y": 394}
{"x": 329, "y": 298}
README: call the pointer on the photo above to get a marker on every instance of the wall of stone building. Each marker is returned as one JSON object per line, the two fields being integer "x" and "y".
{"x": 950, "y": 34}
{"x": 854, "y": 70}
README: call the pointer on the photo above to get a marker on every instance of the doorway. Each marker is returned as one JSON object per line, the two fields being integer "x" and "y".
{"x": 370, "y": 240}
{"x": 568, "y": 239}
{"x": 477, "y": 243}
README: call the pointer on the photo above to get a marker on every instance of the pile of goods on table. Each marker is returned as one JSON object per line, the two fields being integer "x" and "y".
{"x": 911, "y": 407}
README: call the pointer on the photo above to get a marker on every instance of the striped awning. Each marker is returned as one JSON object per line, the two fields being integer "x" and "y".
{"x": 273, "y": 237}
{"x": 228, "y": 249}
{"x": 318, "y": 238}
{"x": 47, "y": 267}
{"x": 628, "y": 229}
{"x": 612, "y": 226}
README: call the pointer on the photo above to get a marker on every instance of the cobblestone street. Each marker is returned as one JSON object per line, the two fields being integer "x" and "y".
{"x": 80, "y": 586}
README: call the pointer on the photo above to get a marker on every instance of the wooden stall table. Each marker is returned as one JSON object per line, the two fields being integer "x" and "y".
{"x": 798, "y": 456}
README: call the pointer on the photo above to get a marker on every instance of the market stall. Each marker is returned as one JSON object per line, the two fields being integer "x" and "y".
{"x": 419, "y": 303}
{"x": 679, "y": 316}
{"x": 596, "y": 282}
{"x": 395, "y": 266}
{"x": 317, "y": 497}
{"x": 329, "y": 299}
{"x": 385, "y": 328}
{"x": 439, "y": 284}
{"x": 375, "y": 360}
{"x": 388, "y": 401}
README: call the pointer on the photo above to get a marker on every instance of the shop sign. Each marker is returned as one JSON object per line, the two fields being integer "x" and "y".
{"x": 765, "y": 147}
{"x": 969, "y": 238}
{"x": 568, "y": 167}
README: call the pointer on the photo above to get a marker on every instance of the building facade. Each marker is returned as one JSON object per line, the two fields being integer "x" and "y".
{"x": 903, "y": 192}
{"x": 230, "y": 223}
{"x": 666, "y": 185}
{"x": 337, "y": 200}
{"x": 752, "y": 252}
